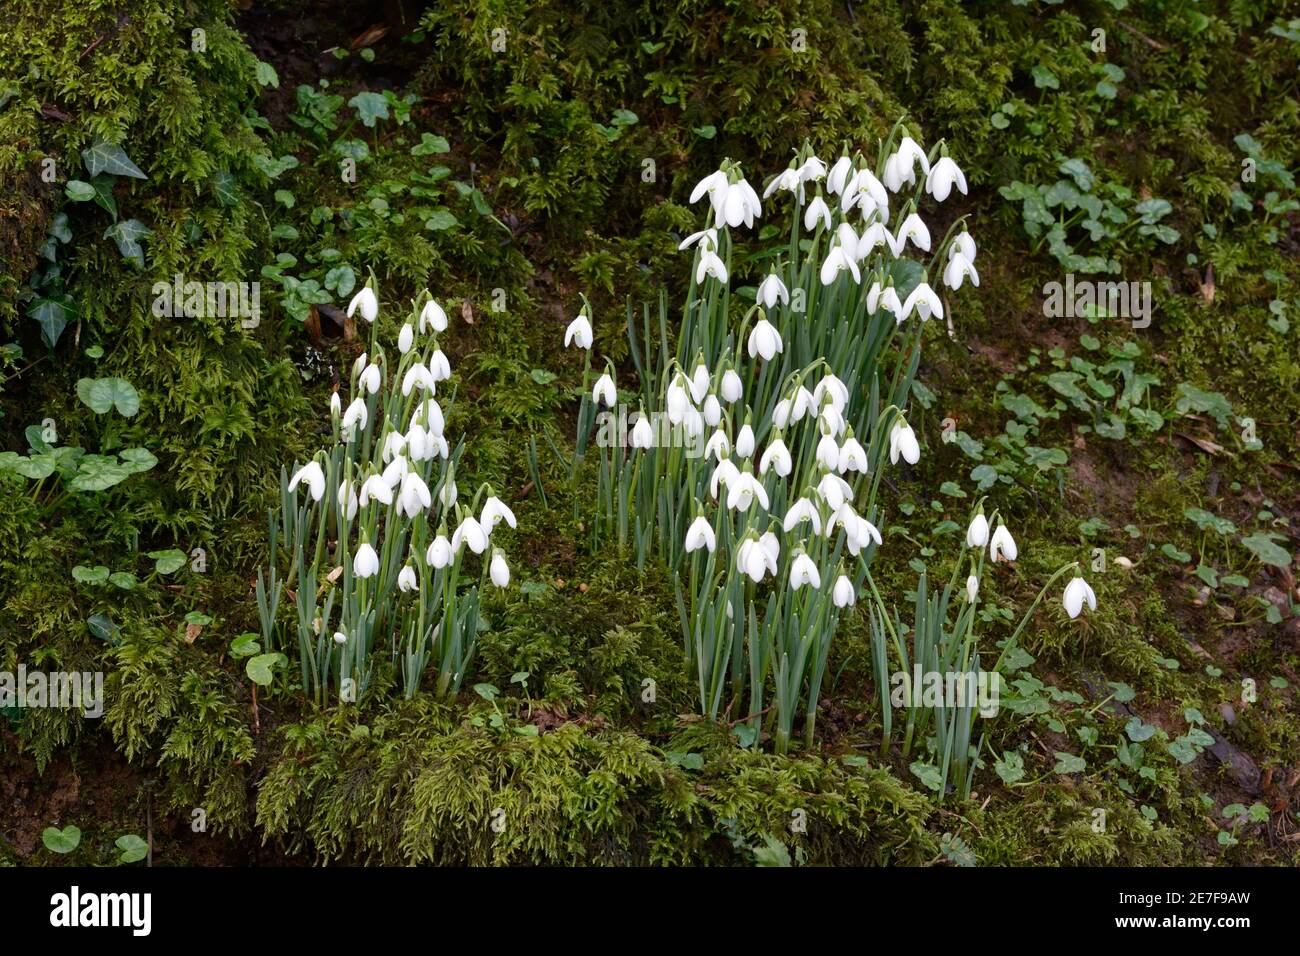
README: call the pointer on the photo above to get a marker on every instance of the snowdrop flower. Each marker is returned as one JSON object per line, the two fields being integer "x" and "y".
{"x": 913, "y": 228}
{"x": 838, "y": 261}
{"x": 439, "y": 553}
{"x": 963, "y": 244}
{"x": 898, "y": 173}
{"x": 447, "y": 494}
{"x": 812, "y": 170}
{"x": 781, "y": 414}
{"x": 414, "y": 496}
{"x": 579, "y": 333}
{"x": 867, "y": 193}
{"x": 732, "y": 387}
{"x": 417, "y": 376}
{"x": 834, "y": 490}
{"x": 771, "y": 548}
{"x": 348, "y": 500}
{"x": 853, "y": 457}
{"x": 777, "y": 457}
{"x": 604, "y": 390}
{"x": 394, "y": 444}
{"x": 406, "y": 338}
{"x": 340, "y": 638}
{"x": 741, "y": 205}
{"x": 718, "y": 446}
{"x": 817, "y": 212}
{"x": 875, "y": 235}
{"x": 958, "y": 268}
{"x": 699, "y": 382}
{"x": 858, "y": 531}
{"x": 406, "y": 579}
{"x": 752, "y": 560}
{"x": 925, "y": 301}
{"x": 911, "y": 153}
{"x": 700, "y": 535}
{"x": 469, "y": 533}
{"x": 710, "y": 265}
{"x": 1002, "y": 547}
{"x": 764, "y": 340}
{"x": 744, "y": 491}
{"x": 375, "y": 487}
{"x": 336, "y": 405}
{"x": 977, "y": 535}
{"x": 828, "y": 453}
{"x": 360, "y": 363}
{"x": 371, "y": 379}
{"x": 1077, "y": 593}
{"x": 643, "y": 435}
{"x": 842, "y": 594}
{"x": 439, "y": 367}
{"x": 902, "y": 441}
{"x": 432, "y": 316}
{"x": 499, "y": 571}
{"x": 444, "y": 450}
{"x": 887, "y": 298}
{"x": 830, "y": 386}
{"x": 717, "y": 187}
{"x": 832, "y": 421}
{"x": 838, "y": 177}
{"x": 494, "y": 509}
{"x": 745, "y": 441}
{"x": 772, "y": 290}
{"x": 431, "y": 413}
{"x": 678, "y": 400}
{"x": 314, "y": 476}
{"x": 787, "y": 179}
{"x": 396, "y": 471}
{"x": 724, "y": 473}
{"x": 972, "y": 587}
{"x": 694, "y": 423}
{"x": 365, "y": 301}
{"x": 366, "y": 563}
{"x": 941, "y": 178}
{"x": 707, "y": 238}
{"x": 803, "y": 571}
{"x": 801, "y": 511}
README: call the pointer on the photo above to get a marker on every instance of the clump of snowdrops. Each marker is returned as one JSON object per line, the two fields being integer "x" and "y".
{"x": 752, "y": 462}
{"x": 374, "y": 543}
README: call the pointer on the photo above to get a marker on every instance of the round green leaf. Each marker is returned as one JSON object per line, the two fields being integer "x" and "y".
{"x": 61, "y": 841}
{"x": 104, "y": 394}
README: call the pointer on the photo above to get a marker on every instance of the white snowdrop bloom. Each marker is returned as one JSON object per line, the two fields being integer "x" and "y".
{"x": 898, "y": 173}
{"x": 870, "y": 195}
{"x": 912, "y": 153}
{"x": 406, "y": 580}
{"x": 886, "y": 298}
{"x": 902, "y": 441}
{"x": 718, "y": 446}
{"x": 963, "y": 244}
{"x": 957, "y": 270}
{"x": 843, "y": 594}
{"x": 643, "y": 435}
{"x": 605, "y": 391}
{"x": 444, "y": 450}
{"x": 724, "y": 474}
{"x": 710, "y": 265}
{"x": 499, "y": 571}
{"x": 802, "y": 404}
{"x": 839, "y": 175}
{"x": 375, "y": 487}
{"x": 817, "y": 213}
{"x": 1077, "y": 593}
{"x": 471, "y": 533}
{"x": 847, "y": 240}
{"x": 420, "y": 445}
{"x": 799, "y": 512}
{"x": 787, "y": 179}
{"x": 771, "y": 548}
{"x": 972, "y": 588}
{"x": 804, "y": 571}
{"x": 700, "y": 535}
{"x": 925, "y": 301}
{"x": 745, "y": 441}
{"x": 431, "y": 413}
{"x": 838, "y": 261}
{"x": 439, "y": 367}
{"x": 365, "y": 301}
{"x": 699, "y": 383}
{"x": 977, "y": 534}
{"x": 832, "y": 421}
{"x": 733, "y": 389}
{"x": 942, "y": 176}
{"x": 744, "y": 491}
{"x": 716, "y": 186}
{"x": 772, "y": 290}
{"x": 828, "y": 453}
{"x": 494, "y": 510}
{"x": 831, "y": 386}
{"x": 693, "y": 423}
{"x": 834, "y": 490}
{"x": 579, "y": 333}
{"x": 707, "y": 239}
{"x": 406, "y": 338}
{"x": 764, "y": 340}
{"x": 781, "y": 414}
{"x": 433, "y": 317}
{"x": 359, "y": 365}
{"x": 874, "y": 235}
{"x": 394, "y": 444}
{"x": 417, "y": 376}
{"x": 777, "y": 457}
{"x": 853, "y": 457}
{"x": 1002, "y": 547}
{"x": 314, "y": 476}
{"x": 365, "y": 563}
{"x": 811, "y": 170}
{"x": 439, "y": 553}
{"x": 348, "y": 500}
{"x": 915, "y": 229}
{"x": 678, "y": 400}
{"x": 396, "y": 471}
{"x": 448, "y": 494}
{"x": 751, "y": 559}
{"x": 371, "y": 379}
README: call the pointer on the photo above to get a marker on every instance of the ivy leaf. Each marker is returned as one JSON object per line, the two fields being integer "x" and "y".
{"x": 127, "y": 234}
{"x": 103, "y": 186}
{"x": 225, "y": 188}
{"x": 266, "y": 75}
{"x": 53, "y": 313}
{"x": 105, "y": 157}
{"x": 79, "y": 191}
{"x": 370, "y": 107}
{"x": 104, "y": 394}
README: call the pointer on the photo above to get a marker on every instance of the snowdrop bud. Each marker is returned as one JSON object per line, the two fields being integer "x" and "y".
{"x": 712, "y": 411}
{"x": 1077, "y": 593}
{"x": 699, "y": 382}
{"x": 579, "y": 333}
{"x": 500, "y": 571}
{"x": 340, "y": 638}
{"x": 963, "y": 244}
{"x": 694, "y": 423}
{"x": 902, "y": 441}
{"x": 314, "y": 476}
{"x": 853, "y": 457}
{"x": 348, "y": 500}
{"x": 365, "y": 301}
{"x": 839, "y": 175}
{"x": 643, "y": 435}
{"x": 433, "y": 418}
{"x": 439, "y": 367}
{"x": 432, "y": 316}
{"x": 781, "y": 414}
{"x": 359, "y": 364}
{"x": 972, "y": 588}
{"x": 843, "y": 594}
{"x": 406, "y": 580}
{"x": 700, "y": 535}
{"x": 366, "y": 563}
{"x": 828, "y": 452}
{"x": 394, "y": 444}
{"x": 406, "y": 338}
{"x": 732, "y": 387}
{"x": 977, "y": 535}
{"x": 1002, "y": 547}
{"x": 438, "y": 554}
{"x": 802, "y": 405}
{"x": 371, "y": 379}
{"x": 448, "y": 494}
{"x": 604, "y": 390}
{"x": 745, "y": 442}
{"x": 764, "y": 340}
{"x": 336, "y": 405}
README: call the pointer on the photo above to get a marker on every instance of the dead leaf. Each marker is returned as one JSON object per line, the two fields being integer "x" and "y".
{"x": 1207, "y": 287}
{"x": 1204, "y": 444}
{"x": 467, "y": 311}
{"x": 370, "y": 36}
{"x": 192, "y": 631}
{"x": 335, "y": 574}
